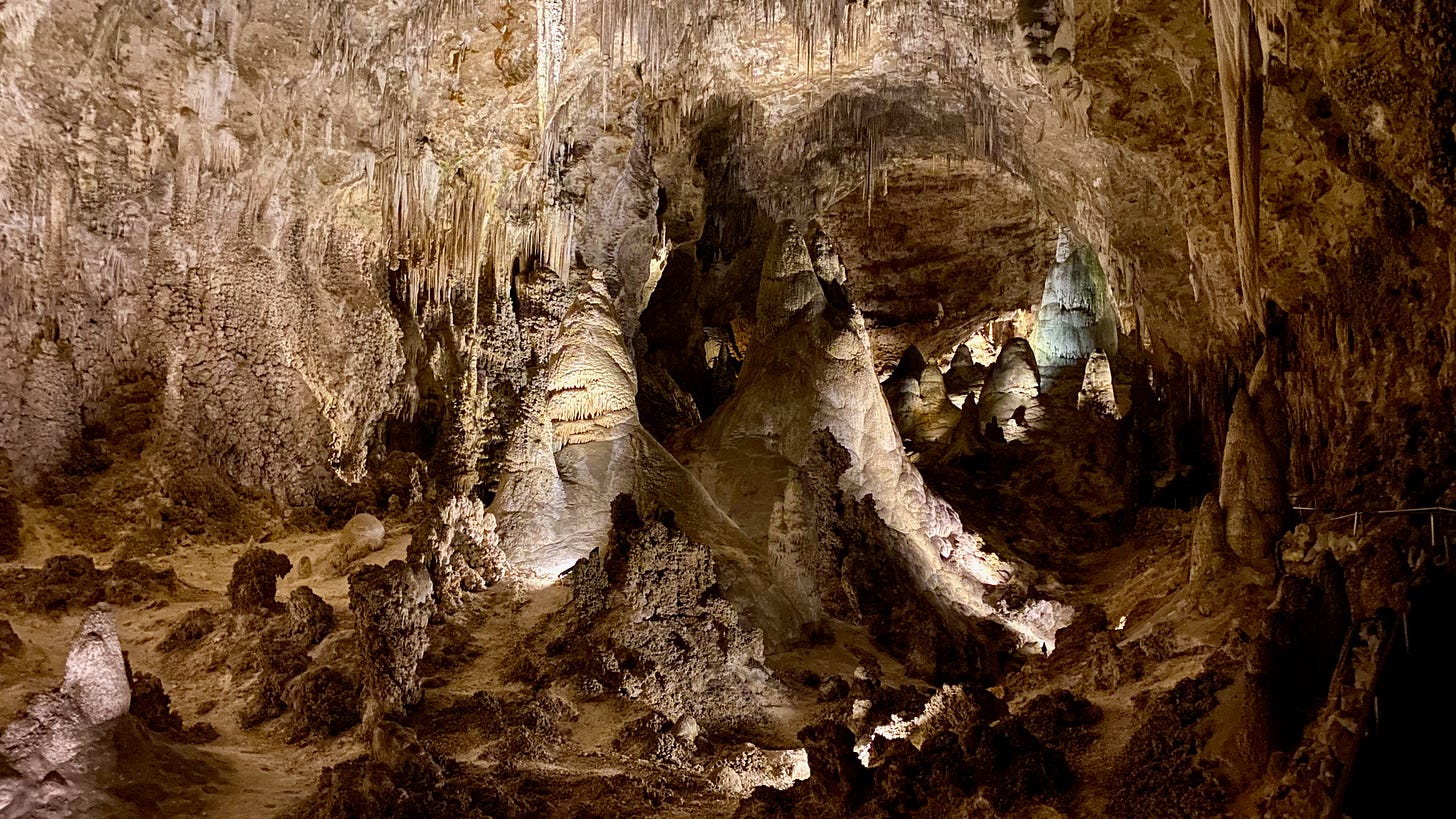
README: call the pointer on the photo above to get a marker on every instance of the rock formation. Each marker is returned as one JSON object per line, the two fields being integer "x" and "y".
{"x": 1076, "y": 316}
{"x": 1008, "y": 398}
{"x": 329, "y": 285}
{"x": 801, "y": 336}
{"x": 1251, "y": 488}
{"x": 919, "y": 403}
{"x": 1097, "y": 395}
{"x": 965, "y": 376}
{"x": 393, "y": 605}
{"x": 362, "y": 536}
{"x": 650, "y": 623}
{"x": 254, "y": 583}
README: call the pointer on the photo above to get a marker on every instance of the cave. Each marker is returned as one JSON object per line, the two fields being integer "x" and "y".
{"x": 707, "y": 408}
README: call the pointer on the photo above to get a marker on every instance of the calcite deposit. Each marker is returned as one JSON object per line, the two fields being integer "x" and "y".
{"x": 708, "y": 408}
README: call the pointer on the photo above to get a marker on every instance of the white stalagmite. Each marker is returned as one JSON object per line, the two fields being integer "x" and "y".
{"x": 1097, "y": 395}
{"x": 816, "y": 372}
{"x": 552, "y": 515}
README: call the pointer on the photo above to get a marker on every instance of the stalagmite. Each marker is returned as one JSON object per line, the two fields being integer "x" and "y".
{"x": 1210, "y": 562}
{"x": 969, "y": 436}
{"x": 1076, "y": 315}
{"x": 964, "y": 375}
{"x": 1251, "y": 488}
{"x": 393, "y": 605}
{"x": 916, "y": 390}
{"x": 1008, "y": 398}
{"x": 816, "y": 341}
{"x": 591, "y": 381}
{"x": 62, "y": 723}
{"x": 1097, "y": 395}
{"x": 938, "y": 416}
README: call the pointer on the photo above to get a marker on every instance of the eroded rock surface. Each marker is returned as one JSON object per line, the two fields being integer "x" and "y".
{"x": 392, "y": 605}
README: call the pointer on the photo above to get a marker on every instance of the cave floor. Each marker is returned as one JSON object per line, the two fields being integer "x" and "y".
{"x": 1133, "y": 567}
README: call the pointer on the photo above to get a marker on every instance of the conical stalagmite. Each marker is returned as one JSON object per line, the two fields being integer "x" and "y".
{"x": 1011, "y": 389}
{"x": 1076, "y": 315}
{"x": 938, "y": 416}
{"x": 964, "y": 374}
{"x": 1251, "y": 488}
{"x": 1097, "y": 395}
{"x": 1209, "y": 561}
{"x": 969, "y": 435}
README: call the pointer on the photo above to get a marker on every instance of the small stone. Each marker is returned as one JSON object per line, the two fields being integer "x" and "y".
{"x": 686, "y": 730}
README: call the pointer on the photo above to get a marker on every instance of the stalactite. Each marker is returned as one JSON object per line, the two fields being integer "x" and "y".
{"x": 1240, "y": 75}
{"x": 552, "y": 29}
{"x": 655, "y": 32}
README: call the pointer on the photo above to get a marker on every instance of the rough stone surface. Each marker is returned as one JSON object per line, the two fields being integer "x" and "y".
{"x": 61, "y": 723}
{"x": 648, "y": 624}
{"x": 1251, "y": 488}
{"x": 254, "y": 583}
{"x": 323, "y": 700}
{"x": 392, "y": 605}
{"x": 1210, "y": 562}
{"x": 310, "y": 619}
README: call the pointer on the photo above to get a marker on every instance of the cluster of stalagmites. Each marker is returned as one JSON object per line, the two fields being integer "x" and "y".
{"x": 277, "y": 649}
{"x": 962, "y": 746}
{"x": 1003, "y": 403}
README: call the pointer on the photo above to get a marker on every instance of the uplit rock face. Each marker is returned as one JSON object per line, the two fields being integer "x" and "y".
{"x": 63, "y": 723}
{"x": 1076, "y": 316}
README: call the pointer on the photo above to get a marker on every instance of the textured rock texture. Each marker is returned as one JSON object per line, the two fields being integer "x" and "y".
{"x": 479, "y": 268}
{"x": 254, "y": 584}
{"x": 392, "y": 604}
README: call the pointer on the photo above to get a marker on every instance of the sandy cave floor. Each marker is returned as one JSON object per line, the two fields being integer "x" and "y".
{"x": 1137, "y": 581}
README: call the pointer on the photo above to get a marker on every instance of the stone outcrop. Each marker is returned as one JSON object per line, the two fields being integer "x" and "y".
{"x": 310, "y": 619}
{"x": 649, "y": 624}
{"x": 459, "y": 544}
{"x": 362, "y": 536}
{"x": 1251, "y": 488}
{"x": 62, "y": 723}
{"x": 254, "y": 583}
{"x": 393, "y": 605}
